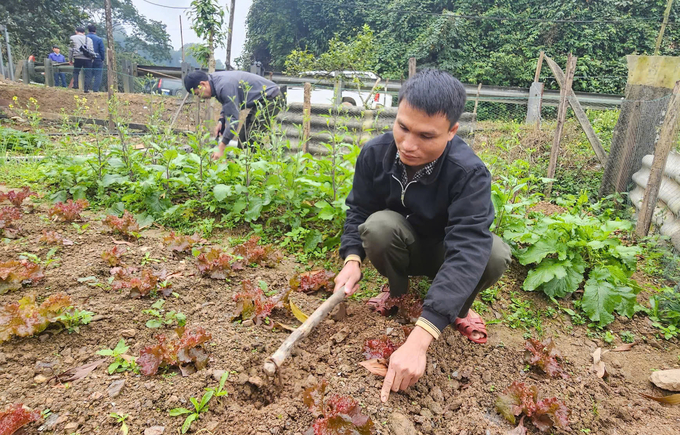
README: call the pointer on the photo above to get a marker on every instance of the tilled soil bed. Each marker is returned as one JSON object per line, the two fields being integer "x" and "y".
{"x": 456, "y": 396}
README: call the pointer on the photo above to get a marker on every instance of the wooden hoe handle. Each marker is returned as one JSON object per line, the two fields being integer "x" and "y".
{"x": 272, "y": 363}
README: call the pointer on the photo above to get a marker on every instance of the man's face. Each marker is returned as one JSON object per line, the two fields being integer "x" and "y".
{"x": 56, "y": 50}
{"x": 421, "y": 138}
{"x": 203, "y": 90}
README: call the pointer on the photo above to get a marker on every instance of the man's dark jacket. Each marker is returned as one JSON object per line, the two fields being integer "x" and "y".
{"x": 453, "y": 204}
{"x": 99, "y": 48}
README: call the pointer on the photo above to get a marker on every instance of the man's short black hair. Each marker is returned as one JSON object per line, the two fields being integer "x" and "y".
{"x": 435, "y": 92}
{"x": 91, "y": 28}
{"x": 56, "y": 46}
{"x": 193, "y": 79}
{"x": 80, "y": 29}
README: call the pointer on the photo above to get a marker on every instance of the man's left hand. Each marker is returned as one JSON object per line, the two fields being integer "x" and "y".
{"x": 407, "y": 364}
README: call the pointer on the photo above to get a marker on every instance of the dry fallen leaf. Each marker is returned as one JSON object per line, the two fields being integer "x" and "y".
{"x": 673, "y": 399}
{"x": 624, "y": 347}
{"x": 78, "y": 372}
{"x": 519, "y": 430}
{"x": 279, "y": 325}
{"x": 377, "y": 366}
{"x": 121, "y": 242}
{"x": 297, "y": 312}
{"x": 598, "y": 364}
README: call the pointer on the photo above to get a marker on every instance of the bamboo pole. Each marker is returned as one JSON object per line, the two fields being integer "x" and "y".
{"x": 306, "y": 116}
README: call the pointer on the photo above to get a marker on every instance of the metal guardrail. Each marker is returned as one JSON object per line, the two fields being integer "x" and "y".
{"x": 495, "y": 94}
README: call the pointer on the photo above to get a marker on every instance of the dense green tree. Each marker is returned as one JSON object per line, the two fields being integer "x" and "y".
{"x": 489, "y": 41}
{"x": 34, "y": 26}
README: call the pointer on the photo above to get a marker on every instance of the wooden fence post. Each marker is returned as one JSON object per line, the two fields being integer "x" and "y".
{"x": 561, "y": 116}
{"x": 49, "y": 73}
{"x": 337, "y": 91}
{"x": 411, "y": 67}
{"x": 579, "y": 113}
{"x": 125, "y": 65}
{"x": 306, "y": 116}
{"x": 669, "y": 132}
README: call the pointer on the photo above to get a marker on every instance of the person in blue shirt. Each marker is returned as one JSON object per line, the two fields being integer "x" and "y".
{"x": 57, "y": 57}
{"x": 98, "y": 62}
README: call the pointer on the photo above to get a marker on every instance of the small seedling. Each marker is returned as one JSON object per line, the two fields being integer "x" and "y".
{"x": 627, "y": 337}
{"x": 608, "y": 337}
{"x": 80, "y": 229}
{"x": 49, "y": 257}
{"x": 159, "y": 319}
{"x": 220, "y": 391}
{"x": 199, "y": 408}
{"x": 148, "y": 260}
{"x": 119, "y": 364}
{"x": 73, "y": 318}
{"x": 120, "y": 418}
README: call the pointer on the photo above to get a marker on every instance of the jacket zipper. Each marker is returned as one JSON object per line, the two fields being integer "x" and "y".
{"x": 403, "y": 189}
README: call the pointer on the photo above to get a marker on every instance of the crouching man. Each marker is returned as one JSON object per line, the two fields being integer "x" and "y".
{"x": 421, "y": 205}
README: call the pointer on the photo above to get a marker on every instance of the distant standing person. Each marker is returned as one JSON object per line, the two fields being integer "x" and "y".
{"x": 236, "y": 91}
{"x": 98, "y": 62}
{"x": 80, "y": 56}
{"x": 57, "y": 57}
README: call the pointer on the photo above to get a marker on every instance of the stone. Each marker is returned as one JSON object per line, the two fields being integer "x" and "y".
{"x": 217, "y": 374}
{"x": 667, "y": 379}
{"x": 115, "y": 388}
{"x": 247, "y": 323}
{"x": 256, "y": 381}
{"x": 40, "y": 379}
{"x": 427, "y": 426}
{"x": 400, "y": 424}
{"x": 154, "y": 430}
{"x": 50, "y": 422}
{"x": 437, "y": 394}
{"x": 340, "y": 336}
{"x": 128, "y": 333}
{"x": 425, "y": 412}
{"x": 71, "y": 428}
{"x": 242, "y": 379}
{"x": 433, "y": 406}
{"x": 455, "y": 404}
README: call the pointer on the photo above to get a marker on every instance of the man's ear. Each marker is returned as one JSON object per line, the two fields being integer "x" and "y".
{"x": 453, "y": 130}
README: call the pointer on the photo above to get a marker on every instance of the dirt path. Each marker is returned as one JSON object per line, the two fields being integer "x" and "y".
{"x": 456, "y": 396}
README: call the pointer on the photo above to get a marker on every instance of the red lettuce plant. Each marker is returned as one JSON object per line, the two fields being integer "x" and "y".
{"x": 312, "y": 281}
{"x": 7, "y": 217}
{"x": 184, "y": 349}
{"x": 339, "y": 415}
{"x": 544, "y": 356}
{"x": 381, "y": 347}
{"x": 17, "y": 197}
{"x": 54, "y": 238}
{"x": 252, "y": 253}
{"x": 112, "y": 256}
{"x": 14, "y": 273}
{"x": 215, "y": 263}
{"x": 147, "y": 282}
{"x": 252, "y": 304}
{"x": 15, "y": 417}
{"x": 25, "y": 318}
{"x": 68, "y": 211}
{"x": 181, "y": 242}
{"x": 520, "y": 398}
{"x": 126, "y": 225}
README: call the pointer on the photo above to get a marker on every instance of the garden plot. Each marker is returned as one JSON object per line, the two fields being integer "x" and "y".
{"x": 458, "y": 394}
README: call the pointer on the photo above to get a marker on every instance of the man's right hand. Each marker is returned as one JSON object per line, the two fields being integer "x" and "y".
{"x": 349, "y": 276}
{"x": 218, "y": 128}
{"x": 218, "y": 154}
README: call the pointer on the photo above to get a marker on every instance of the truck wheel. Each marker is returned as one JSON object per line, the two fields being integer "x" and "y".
{"x": 347, "y": 101}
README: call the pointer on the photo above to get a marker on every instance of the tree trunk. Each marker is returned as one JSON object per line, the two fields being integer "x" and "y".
{"x": 231, "y": 31}
{"x": 113, "y": 81}
{"x": 211, "y": 56}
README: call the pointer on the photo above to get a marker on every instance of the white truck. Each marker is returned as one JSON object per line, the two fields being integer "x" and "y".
{"x": 351, "y": 94}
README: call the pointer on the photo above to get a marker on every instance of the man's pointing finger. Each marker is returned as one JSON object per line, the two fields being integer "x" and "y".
{"x": 387, "y": 385}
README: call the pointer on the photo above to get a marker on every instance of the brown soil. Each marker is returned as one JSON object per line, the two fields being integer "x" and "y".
{"x": 135, "y": 108}
{"x": 456, "y": 396}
